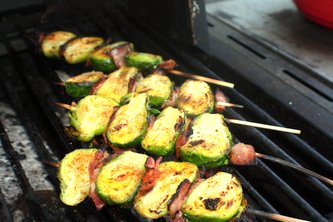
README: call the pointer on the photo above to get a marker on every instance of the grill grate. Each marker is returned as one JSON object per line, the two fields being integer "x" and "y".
{"x": 27, "y": 79}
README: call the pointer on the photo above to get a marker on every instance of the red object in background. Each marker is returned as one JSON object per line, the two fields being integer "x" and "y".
{"x": 319, "y": 11}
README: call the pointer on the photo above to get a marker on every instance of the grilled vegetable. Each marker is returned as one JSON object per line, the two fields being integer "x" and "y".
{"x": 195, "y": 98}
{"x": 209, "y": 143}
{"x": 158, "y": 87}
{"x": 91, "y": 116}
{"x": 143, "y": 61}
{"x": 153, "y": 204}
{"x": 80, "y": 85}
{"x": 117, "y": 84}
{"x": 74, "y": 176}
{"x": 130, "y": 123}
{"x": 161, "y": 138}
{"x": 52, "y": 42}
{"x": 119, "y": 180}
{"x": 106, "y": 58}
{"x": 218, "y": 198}
{"x": 78, "y": 49}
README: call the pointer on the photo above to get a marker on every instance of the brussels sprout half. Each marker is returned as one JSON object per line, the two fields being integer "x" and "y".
{"x": 218, "y": 198}
{"x": 158, "y": 87}
{"x": 143, "y": 61}
{"x": 209, "y": 143}
{"x": 53, "y": 41}
{"x": 195, "y": 98}
{"x": 74, "y": 177}
{"x": 79, "y": 49}
{"x": 153, "y": 204}
{"x": 161, "y": 138}
{"x": 91, "y": 116}
{"x": 80, "y": 85}
{"x": 119, "y": 180}
{"x": 130, "y": 123}
{"x": 117, "y": 84}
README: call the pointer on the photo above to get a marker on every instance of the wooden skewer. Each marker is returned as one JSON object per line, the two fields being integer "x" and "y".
{"x": 202, "y": 78}
{"x": 59, "y": 83}
{"x": 62, "y": 105}
{"x": 264, "y": 126}
{"x": 52, "y": 163}
{"x": 229, "y": 104}
{"x": 296, "y": 167}
{"x": 272, "y": 216}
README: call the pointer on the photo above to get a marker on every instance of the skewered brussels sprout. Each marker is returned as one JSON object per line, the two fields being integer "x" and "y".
{"x": 117, "y": 84}
{"x": 52, "y": 42}
{"x": 91, "y": 116}
{"x": 195, "y": 98}
{"x": 209, "y": 143}
{"x": 74, "y": 176}
{"x": 119, "y": 180}
{"x": 161, "y": 138}
{"x": 104, "y": 58}
{"x": 80, "y": 85}
{"x": 153, "y": 204}
{"x": 143, "y": 61}
{"x": 218, "y": 198}
{"x": 78, "y": 49}
{"x": 130, "y": 123}
{"x": 158, "y": 87}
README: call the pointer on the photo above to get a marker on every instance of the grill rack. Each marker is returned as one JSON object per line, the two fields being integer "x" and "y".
{"x": 28, "y": 83}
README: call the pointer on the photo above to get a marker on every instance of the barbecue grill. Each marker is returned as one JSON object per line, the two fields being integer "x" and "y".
{"x": 32, "y": 128}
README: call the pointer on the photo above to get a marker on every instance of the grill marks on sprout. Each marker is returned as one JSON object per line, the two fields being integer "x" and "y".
{"x": 211, "y": 204}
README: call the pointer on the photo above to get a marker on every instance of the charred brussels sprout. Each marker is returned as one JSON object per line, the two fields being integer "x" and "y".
{"x": 153, "y": 204}
{"x": 52, "y": 42}
{"x": 158, "y": 87}
{"x": 130, "y": 123}
{"x": 91, "y": 116}
{"x": 103, "y": 58}
{"x": 74, "y": 177}
{"x": 117, "y": 84}
{"x": 143, "y": 61}
{"x": 78, "y": 49}
{"x": 161, "y": 138}
{"x": 80, "y": 85}
{"x": 195, "y": 98}
{"x": 209, "y": 143}
{"x": 119, "y": 180}
{"x": 218, "y": 198}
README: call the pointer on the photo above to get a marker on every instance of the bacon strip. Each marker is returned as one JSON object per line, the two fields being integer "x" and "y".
{"x": 97, "y": 85}
{"x": 172, "y": 100}
{"x": 94, "y": 168}
{"x": 183, "y": 137}
{"x": 151, "y": 176}
{"x": 242, "y": 154}
{"x": 220, "y": 97}
{"x": 118, "y": 54}
{"x": 168, "y": 64}
{"x": 176, "y": 202}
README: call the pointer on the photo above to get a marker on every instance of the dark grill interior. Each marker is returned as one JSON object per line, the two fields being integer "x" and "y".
{"x": 28, "y": 94}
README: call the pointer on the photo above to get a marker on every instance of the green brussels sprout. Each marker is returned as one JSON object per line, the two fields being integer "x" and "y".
{"x": 74, "y": 177}
{"x": 79, "y": 49}
{"x": 158, "y": 87}
{"x": 143, "y": 61}
{"x": 130, "y": 123}
{"x": 80, "y": 85}
{"x": 209, "y": 143}
{"x": 53, "y": 41}
{"x": 116, "y": 85}
{"x": 119, "y": 180}
{"x": 91, "y": 116}
{"x": 218, "y": 198}
{"x": 153, "y": 204}
{"x": 195, "y": 98}
{"x": 161, "y": 138}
